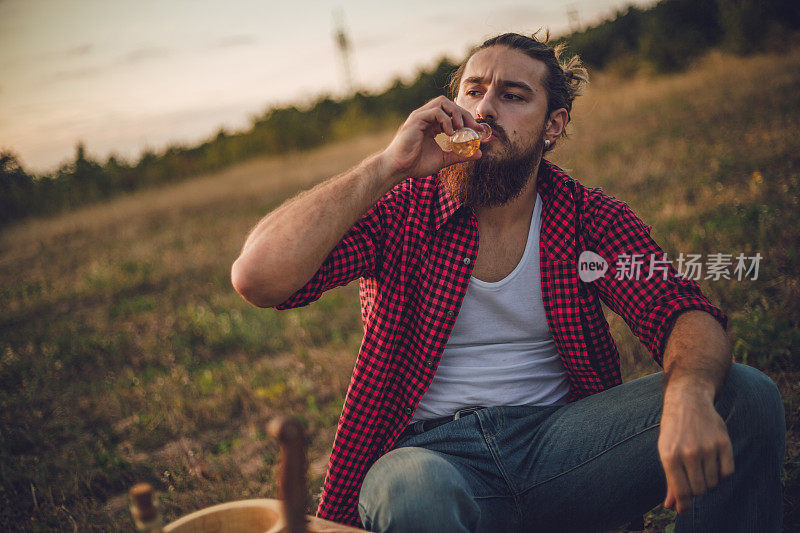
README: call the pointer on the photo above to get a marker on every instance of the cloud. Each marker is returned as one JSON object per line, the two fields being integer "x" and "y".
{"x": 79, "y": 51}
{"x": 374, "y": 40}
{"x": 51, "y": 56}
{"x": 73, "y": 74}
{"x": 233, "y": 41}
{"x": 133, "y": 57}
{"x": 11, "y": 12}
{"x": 519, "y": 15}
{"x": 487, "y": 19}
{"x": 144, "y": 54}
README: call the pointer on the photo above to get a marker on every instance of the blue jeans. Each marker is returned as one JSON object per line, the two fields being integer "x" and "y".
{"x": 586, "y": 466}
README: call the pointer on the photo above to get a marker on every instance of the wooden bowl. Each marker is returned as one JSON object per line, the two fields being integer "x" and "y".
{"x": 248, "y": 516}
{"x": 263, "y": 515}
{"x": 245, "y": 516}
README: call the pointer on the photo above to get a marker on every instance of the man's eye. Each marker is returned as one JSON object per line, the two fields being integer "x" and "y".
{"x": 472, "y": 92}
{"x": 512, "y": 96}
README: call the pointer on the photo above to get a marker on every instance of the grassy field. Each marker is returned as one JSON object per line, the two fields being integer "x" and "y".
{"x": 125, "y": 354}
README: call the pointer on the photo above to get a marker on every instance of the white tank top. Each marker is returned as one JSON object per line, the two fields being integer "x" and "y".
{"x": 501, "y": 351}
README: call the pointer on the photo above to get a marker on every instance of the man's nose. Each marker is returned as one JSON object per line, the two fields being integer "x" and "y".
{"x": 485, "y": 108}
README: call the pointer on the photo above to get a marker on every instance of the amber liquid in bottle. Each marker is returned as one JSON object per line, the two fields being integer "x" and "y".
{"x": 463, "y": 142}
{"x": 465, "y": 148}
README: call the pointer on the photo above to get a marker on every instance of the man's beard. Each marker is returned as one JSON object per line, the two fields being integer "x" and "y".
{"x": 493, "y": 179}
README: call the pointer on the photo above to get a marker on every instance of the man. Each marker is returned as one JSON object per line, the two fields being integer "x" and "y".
{"x": 487, "y": 393}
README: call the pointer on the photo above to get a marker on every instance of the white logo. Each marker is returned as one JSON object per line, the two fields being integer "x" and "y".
{"x": 591, "y": 266}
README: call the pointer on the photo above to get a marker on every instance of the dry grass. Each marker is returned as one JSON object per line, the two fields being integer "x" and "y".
{"x": 126, "y": 355}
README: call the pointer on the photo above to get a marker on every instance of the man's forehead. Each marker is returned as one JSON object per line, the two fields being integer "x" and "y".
{"x": 503, "y": 63}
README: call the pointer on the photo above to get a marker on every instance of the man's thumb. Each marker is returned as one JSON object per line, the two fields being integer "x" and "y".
{"x": 669, "y": 501}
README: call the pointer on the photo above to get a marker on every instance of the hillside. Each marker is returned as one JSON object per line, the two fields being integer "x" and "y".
{"x": 126, "y": 355}
{"x": 664, "y": 37}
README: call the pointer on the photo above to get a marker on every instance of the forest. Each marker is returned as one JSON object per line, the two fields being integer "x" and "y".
{"x": 664, "y": 38}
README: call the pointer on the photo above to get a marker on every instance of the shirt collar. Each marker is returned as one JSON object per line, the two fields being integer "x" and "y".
{"x": 546, "y": 179}
{"x": 447, "y": 205}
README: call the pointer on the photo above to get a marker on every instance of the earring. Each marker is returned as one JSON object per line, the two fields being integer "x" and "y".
{"x": 547, "y": 143}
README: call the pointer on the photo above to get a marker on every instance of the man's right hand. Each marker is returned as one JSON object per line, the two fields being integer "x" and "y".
{"x": 414, "y": 153}
{"x": 291, "y": 243}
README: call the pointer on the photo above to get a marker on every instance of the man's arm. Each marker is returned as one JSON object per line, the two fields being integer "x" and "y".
{"x": 693, "y": 445}
{"x": 693, "y": 442}
{"x": 649, "y": 301}
{"x": 290, "y": 244}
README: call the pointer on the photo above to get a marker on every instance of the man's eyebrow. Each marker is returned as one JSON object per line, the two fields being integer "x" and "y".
{"x": 503, "y": 83}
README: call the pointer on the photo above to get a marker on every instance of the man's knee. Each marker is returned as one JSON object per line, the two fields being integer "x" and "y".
{"x": 414, "y": 489}
{"x": 757, "y": 407}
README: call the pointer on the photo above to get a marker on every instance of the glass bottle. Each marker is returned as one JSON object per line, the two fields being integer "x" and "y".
{"x": 464, "y": 141}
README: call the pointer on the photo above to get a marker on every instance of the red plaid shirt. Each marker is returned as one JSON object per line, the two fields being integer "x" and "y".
{"x": 414, "y": 251}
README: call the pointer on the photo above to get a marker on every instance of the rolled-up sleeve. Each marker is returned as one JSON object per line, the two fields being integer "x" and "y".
{"x": 357, "y": 254}
{"x": 648, "y": 306}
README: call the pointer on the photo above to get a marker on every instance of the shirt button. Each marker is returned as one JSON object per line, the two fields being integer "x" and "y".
{"x": 429, "y": 363}
{"x": 451, "y": 313}
{"x": 409, "y": 410}
{"x": 467, "y": 260}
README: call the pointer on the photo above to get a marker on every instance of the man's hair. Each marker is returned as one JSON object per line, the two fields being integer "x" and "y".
{"x": 564, "y": 81}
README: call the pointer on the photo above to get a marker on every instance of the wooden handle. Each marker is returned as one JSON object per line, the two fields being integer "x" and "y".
{"x": 144, "y": 508}
{"x": 292, "y": 470}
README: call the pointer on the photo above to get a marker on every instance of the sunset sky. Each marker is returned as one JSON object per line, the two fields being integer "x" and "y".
{"x": 126, "y": 76}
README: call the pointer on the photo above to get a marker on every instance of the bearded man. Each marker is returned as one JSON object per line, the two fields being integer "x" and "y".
{"x": 487, "y": 393}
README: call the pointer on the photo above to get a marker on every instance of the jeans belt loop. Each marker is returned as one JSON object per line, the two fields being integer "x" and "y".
{"x": 421, "y": 426}
{"x": 466, "y": 411}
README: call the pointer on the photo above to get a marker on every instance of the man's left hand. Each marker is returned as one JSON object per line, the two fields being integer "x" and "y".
{"x": 694, "y": 445}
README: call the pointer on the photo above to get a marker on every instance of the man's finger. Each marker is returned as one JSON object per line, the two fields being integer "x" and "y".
{"x": 455, "y": 111}
{"x": 726, "y": 460}
{"x": 669, "y": 501}
{"x": 435, "y": 117}
{"x": 470, "y": 121}
{"x": 711, "y": 471}
{"x": 678, "y": 484}
{"x": 455, "y": 115}
{"x": 693, "y": 464}
{"x": 459, "y": 113}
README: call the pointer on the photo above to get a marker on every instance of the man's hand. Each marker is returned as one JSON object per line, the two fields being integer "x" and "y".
{"x": 414, "y": 153}
{"x": 693, "y": 444}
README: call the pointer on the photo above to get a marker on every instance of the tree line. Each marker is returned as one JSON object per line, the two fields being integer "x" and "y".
{"x": 663, "y": 38}
{"x": 278, "y": 130}
{"x": 668, "y": 36}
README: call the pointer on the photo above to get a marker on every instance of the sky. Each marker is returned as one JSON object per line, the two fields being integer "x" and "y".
{"x": 123, "y": 76}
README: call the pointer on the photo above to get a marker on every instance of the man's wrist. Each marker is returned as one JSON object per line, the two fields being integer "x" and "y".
{"x": 384, "y": 171}
{"x": 688, "y": 387}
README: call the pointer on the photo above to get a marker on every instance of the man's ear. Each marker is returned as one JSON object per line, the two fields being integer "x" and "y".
{"x": 556, "y": 124}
